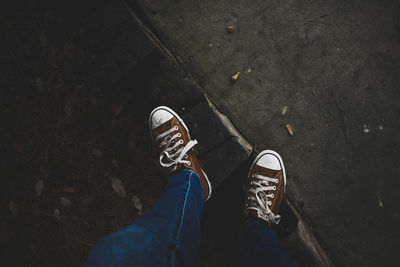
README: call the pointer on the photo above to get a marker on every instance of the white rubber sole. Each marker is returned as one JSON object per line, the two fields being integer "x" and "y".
{"x": 264, "y": 152}
{"x": 187, "y": 130}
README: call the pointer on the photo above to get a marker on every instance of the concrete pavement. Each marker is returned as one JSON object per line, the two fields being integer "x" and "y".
{"x": 331, "y": 70}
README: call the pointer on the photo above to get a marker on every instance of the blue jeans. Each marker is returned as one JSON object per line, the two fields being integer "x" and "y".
{"x": 168, "y": 234}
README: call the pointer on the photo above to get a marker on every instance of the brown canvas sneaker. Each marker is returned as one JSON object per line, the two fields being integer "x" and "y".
{"x": 265, "y": 187}
{"x": 172, "y": 140}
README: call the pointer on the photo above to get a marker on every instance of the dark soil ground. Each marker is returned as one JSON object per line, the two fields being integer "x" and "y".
{"x": 62, "y": 122}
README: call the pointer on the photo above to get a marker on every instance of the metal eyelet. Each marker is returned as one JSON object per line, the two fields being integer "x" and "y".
{"x": 189, "y": 163}
{"x": 274, "y": 187}
{"x": 176, "y": 127}
{"x": 179, "y": 135}
{"x": 186, "y": 156}
{"x": 276, "y": 180}
{"x": 181, "y": 141}
{"x": 272, "y": 195}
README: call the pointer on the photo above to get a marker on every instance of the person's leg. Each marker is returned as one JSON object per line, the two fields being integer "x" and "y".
{"x": 166, "y": 235}
{"x": 264, "y": 193}
{"x": 261, "y": 247}
{"x": 169, "y": 233}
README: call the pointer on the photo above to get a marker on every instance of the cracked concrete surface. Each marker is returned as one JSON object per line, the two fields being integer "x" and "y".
{"x": 335, "y": 65}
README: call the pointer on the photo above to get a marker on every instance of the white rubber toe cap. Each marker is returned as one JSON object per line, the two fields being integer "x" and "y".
{"x": 269, "y": 161}
{"x": 159, "y": 116}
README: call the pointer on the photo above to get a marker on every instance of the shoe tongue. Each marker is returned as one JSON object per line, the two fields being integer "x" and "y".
{"x": 265, "y": 171}
{"x": 164, "y": 127}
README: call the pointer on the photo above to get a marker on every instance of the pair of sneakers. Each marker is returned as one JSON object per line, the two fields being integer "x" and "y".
{"x": 266, "y": 180}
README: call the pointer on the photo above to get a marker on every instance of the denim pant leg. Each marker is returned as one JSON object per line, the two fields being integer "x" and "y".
{"x": 166, "y": 235}
{"x": 261, "y": 247}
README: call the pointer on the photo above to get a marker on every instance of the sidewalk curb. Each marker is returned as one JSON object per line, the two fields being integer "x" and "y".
{"x": 304, "y": 231}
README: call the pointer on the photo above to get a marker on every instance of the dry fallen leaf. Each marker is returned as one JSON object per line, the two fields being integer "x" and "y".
{"x": 39, "y": 187}
{"x": 289, "y": 129}
{"x": 96, "y": 152}
{"x": 116, "y": 109}
{"x": 17, "y": 147}
{"x": 113, "y": 124}
{"x": 118, "y": 187}
{"x": 115, "y": 162}
{"x": 43, "y": 38}
{"x": 85, "y": 203}
{"x": 132, "y": 140}
{"x": 13, "y": 207}
{"x": 138, "y": 204}
{"x": 39, "y": 84}
{"x": 57, "y": 213}
{"x": 69, "y": 189}
{"x": 68, "y": 110}
{"x": 32, "y": 247}
{"x": 65, "y": 202}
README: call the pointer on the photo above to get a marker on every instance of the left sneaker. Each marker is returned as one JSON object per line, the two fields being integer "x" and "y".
{"x": 172, "y": 140}
{"x": 266, "y": 187}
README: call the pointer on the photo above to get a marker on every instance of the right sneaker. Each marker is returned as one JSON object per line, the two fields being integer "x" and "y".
{"x": 265, "y": 187}
{"x": 172, "y": 140}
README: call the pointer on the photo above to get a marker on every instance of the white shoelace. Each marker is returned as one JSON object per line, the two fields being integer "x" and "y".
{"x": 169, "y": 142}
{"x": 261, "y": 200}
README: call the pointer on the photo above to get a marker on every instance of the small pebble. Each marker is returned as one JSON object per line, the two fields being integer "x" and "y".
{"x": 284, "y": 110}
{"x": 365, "y": 129}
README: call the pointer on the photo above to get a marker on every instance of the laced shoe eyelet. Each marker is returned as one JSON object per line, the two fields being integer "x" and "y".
{"x": 272, "y": 195}
{"x": 186, "y": 156}
{"x": 176, "y": 127}
{"x": 276, "y": 180}
{"x": 179, "y": 135}
{"x": 274, "y": 187}
{"x": 189, "y": 163}
{"x": 181, "y": 141}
